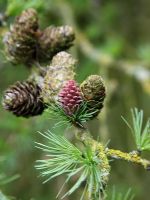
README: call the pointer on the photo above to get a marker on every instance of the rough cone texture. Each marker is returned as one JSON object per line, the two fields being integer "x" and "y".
{"x": 93, "y": 91}
{"x": 20, "y": 42}
{"x": 26, "y": 43}
{"x": 23, "y": 99}
{"x": 70, "y": 97}
{"x": 53, "y": 40}
{"x": 28, "y": 19}
{"x": 58, "y": 73}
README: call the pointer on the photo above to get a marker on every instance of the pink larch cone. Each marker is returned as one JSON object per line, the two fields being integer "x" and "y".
{"x": 70, "y": 97}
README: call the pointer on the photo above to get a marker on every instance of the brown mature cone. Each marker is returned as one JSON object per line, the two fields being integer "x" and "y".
{"x": 58, "y": 73}
{"x": 21, "y": 41}
{"x": 94, "y": 92}
{"x": 28, "y": 20}
{"x": 53, "y": 40}
{"x": 23, "y": 99}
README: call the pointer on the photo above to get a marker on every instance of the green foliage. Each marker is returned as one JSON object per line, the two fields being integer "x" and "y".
{"x": 113, "y": 46}
{"x": 82, "y": 115}
{"x": 3, "y": 197}
{"x": 140, "y": 134}
{"x": 144, "y": 51}
{"x": 120, "y": 196}
{"x": 65, "y": 158}
{"x": 4, "y": 178}
{"x": 16, "y": 6}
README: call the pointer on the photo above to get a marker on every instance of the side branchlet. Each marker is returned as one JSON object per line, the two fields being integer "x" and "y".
{"x": 140, "y": 132}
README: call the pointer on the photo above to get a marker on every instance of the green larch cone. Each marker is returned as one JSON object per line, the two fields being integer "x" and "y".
{"x": 94, "y": 92}
{"x": 53, "y": 40}
{"x": 58, "y": 73}
{"x": 21, "y": 41}
{"x": 23, "y": 99}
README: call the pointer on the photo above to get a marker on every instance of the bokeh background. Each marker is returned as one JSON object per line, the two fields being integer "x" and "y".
{"x": 112, "y": 40}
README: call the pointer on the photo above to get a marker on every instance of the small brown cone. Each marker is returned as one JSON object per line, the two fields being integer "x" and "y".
{"x": 94, "y": 92}
{"x": 23, "y": 99}
{"x": 27, "y": 21}
{"x": 21, "y": 41}
{"x": 58, "y": 73}
{"x": 53, "y": 40}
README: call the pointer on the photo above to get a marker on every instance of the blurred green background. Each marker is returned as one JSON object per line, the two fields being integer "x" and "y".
{"x": 113, "y": 40}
